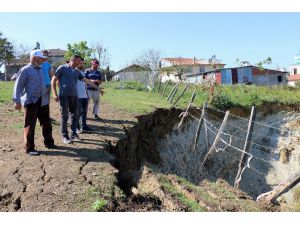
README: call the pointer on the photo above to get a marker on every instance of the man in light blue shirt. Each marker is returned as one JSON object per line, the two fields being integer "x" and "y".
{"x": 48, "y": 72}
{"x": 30, "y": 91}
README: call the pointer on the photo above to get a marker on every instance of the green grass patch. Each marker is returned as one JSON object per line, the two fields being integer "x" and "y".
{"x": 192, "y": 205}
{"x": 6, "y": 91}
{"x": 200, "y": 191}
{"x": 99, "y": 205}
{"x": 131, "y": 100}
{"x": 17, "y": 127}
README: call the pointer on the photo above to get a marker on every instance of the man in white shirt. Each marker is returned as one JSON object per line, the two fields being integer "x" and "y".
{"x": 82, "y": 102}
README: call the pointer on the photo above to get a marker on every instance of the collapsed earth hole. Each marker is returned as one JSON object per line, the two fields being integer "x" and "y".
{"x": 158, "y": 143}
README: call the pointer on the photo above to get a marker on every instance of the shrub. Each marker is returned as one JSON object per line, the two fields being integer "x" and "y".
{"x": 221, "y": 101}
{"x": 135, "y": 86}
{"x": 297, "y": 84}
{"x": 99, "y": 205}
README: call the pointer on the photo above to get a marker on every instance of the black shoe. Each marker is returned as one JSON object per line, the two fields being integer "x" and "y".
{"x": 86, "y": 129}
{"x": 33, "y": 152}
{"x": 75, "y": 137}
{"x": 97, "y": 117}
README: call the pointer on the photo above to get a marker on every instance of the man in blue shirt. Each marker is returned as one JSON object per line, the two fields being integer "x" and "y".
{"x": 30, "y": 91}
{"x": 94, "y": 75}
{"x": 68, "y": 75}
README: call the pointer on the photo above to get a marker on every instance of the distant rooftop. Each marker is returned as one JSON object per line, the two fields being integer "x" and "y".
{"x": 190, "y": 61}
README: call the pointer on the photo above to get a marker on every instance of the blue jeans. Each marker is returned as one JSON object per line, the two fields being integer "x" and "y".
{"x": 83, "y": 109}
{"x": 68, "y": 106}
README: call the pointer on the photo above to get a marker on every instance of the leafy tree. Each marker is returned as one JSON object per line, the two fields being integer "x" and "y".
{"x": 81, "y": 48}
{"x": 6, "y": 51}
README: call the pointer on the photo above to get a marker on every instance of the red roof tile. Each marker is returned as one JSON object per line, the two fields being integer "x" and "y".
{"x": 189, "y": 61}
{"x": 295, "y": 77}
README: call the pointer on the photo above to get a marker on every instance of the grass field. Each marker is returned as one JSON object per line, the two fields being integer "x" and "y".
{"x": 134, "y": 98}
{"x": 6, "y": 91}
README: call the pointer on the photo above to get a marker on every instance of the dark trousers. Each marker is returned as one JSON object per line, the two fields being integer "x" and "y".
{"x": 68, "y": 106}
{"x": 33, "y": 112}
{"x": 82, "y": 108}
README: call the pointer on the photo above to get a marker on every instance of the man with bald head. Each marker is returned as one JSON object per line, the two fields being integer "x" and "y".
{"x": 30, "y": 91}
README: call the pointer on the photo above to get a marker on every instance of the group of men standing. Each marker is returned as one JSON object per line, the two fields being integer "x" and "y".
{"x": 33, "y": 89}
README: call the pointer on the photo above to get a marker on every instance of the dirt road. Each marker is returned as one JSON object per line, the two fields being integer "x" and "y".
{"x": 69, "y": 178}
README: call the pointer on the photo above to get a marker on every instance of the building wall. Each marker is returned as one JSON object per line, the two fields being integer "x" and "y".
{"x": 226, "y": 76}
{"x": 269, "y": 80}
{"x": 292, "y": 69}
{"x": 244, "y": 75}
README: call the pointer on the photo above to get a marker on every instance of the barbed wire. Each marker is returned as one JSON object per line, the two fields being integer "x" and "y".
{"x": 256, "y": 122}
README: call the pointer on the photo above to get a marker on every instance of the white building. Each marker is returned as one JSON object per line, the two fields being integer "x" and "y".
{"x": 177, "y": 69}
{"x": 294, "y": 71}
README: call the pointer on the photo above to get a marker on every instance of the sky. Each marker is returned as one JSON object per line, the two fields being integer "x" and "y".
{"x": 247, "y": 36}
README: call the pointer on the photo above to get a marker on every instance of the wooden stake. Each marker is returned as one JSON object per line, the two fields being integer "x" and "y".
{"x": 282, "y": 188}
{"x": 181, "y": 94}
{"x": 172, "y": 91}
{"x": 159, "y": 86}
{"x": 187, "y": 109}
{"x": 246, "y": 146}
{"x": 165, "y": 88}
{"x": 217, "y": 139}
{"x": 199, "y": 126}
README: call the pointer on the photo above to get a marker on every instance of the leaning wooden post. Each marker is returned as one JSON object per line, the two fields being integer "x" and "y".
{"x": 159, "y": 86}
{"x": 168, "y": 98}
{"x": 182, "y": 93}
{"x": 206, "y": 133}
{"x": 174, "y": 93}
{"x": 282, "y": 188}
{"x": 187, "y": 109}
{"x": 246, "y": 147}
{"x": 165, "y": 88}
{"x": 217, "y": 139}
{"x": 199, "y": 126}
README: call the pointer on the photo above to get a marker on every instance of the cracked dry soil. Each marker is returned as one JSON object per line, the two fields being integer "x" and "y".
{"x": 69, "y": 178}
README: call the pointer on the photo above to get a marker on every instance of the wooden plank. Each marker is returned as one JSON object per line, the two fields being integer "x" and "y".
{"x": 168, "y": 98}
{"x": 246, "y": 147}
{"x": 217, "y": 139}
{"x": 199, "y": 126}
{"x": 282, "y": 188}
{"x": 182, "y": 93}
{"x": 165, "y": 88}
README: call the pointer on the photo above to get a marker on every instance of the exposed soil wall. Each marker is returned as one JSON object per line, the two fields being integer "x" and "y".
{"x": 157, "y": 142}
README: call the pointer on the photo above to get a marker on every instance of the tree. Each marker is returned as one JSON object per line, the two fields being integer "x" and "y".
{"x": 150, "y": 59}
{"x": 101, "y": 53}
{"x": 6, "y": 52}
{"x": 81, "y": 48}
{"x": 242, "y": 62}
{"x": 21, "y": 50}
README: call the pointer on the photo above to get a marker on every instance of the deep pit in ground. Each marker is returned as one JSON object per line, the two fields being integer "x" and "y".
{"x": 156, "y": 142}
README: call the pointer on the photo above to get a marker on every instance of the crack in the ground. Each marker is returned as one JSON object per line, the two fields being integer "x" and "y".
{"x": 43, "y": 170}
{"x": 81, "y": 168}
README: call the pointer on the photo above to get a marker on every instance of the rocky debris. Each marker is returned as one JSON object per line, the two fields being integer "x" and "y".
{"x": 7, "y": 148}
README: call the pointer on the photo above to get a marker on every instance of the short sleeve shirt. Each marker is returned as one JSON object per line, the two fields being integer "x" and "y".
{"x": 46, "y": 68}
{"x": 68, "y": 78}
{"x": 93, "y": 75}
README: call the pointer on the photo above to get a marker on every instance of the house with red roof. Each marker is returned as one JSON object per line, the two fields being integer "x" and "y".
{"x": 177, "y": 69}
